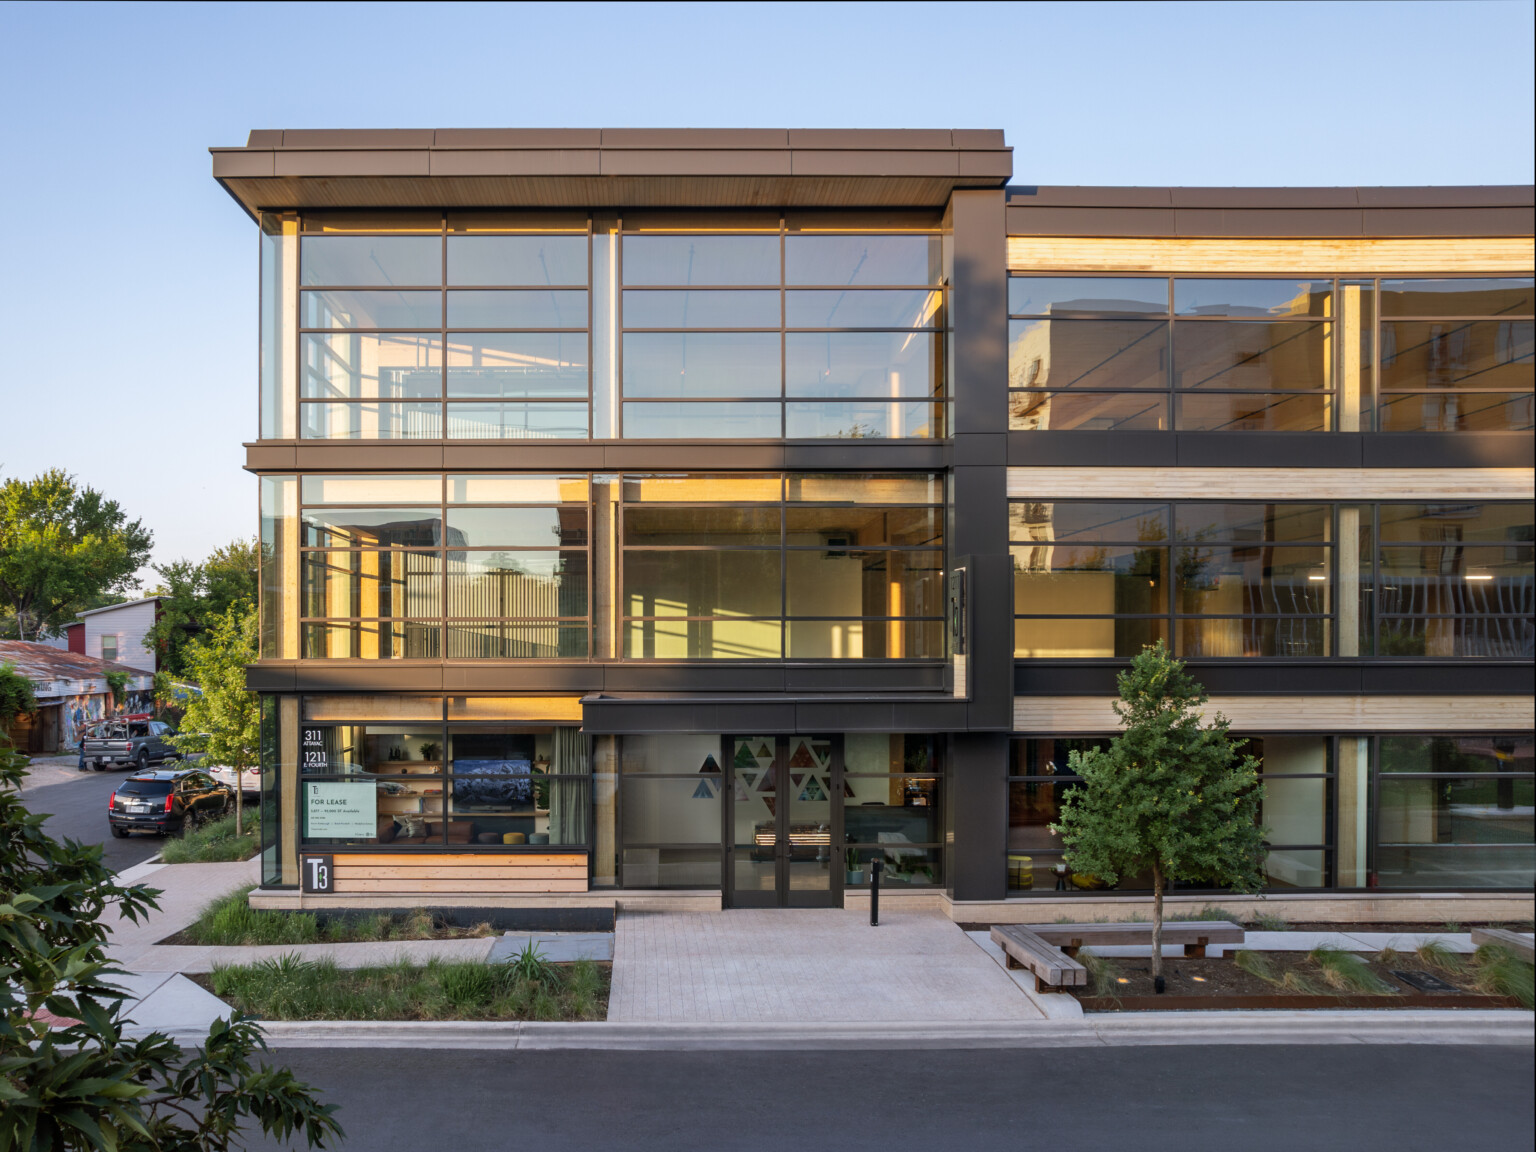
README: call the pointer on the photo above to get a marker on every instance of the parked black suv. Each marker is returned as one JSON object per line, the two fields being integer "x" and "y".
{"x": 167, "y": 801}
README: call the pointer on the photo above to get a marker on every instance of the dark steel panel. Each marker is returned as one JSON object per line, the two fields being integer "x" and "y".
{"x": 990, "y": 592}
{"x": 644, "y": 162}
{"x": 270, "y": 677}
{"x": 1314, "y": 198}
{"x": 534, "y": 162}
{"x": 1062, "y": 221}
{"x": 722, "y": 676}
{"x": 979, "y": 313}
{"x": 1449, "y": 450}
{"x": 234, "y": 164}
{"x": 1268, "y": 222}
{"x": 406, "y": 162}
{"x": 521, "y": 454}
{"x": 808, "y": 162}
{"x": 964, "y": 138}
{"x": 1469, "y": 678}
{"x": 850, "y": 716}
{"x": 669, "y": 456}
{"x": 1088, "y": 196}
{"x": 864, "y": 455}
{"x": 261, "y": 457}
{"x": 1087, "y": 678}
{"x": 1141, "y": 449}
{"x": 1291, "y": 678}
{"x": 924, "y": 138}
{"x": 517, "y": 138}
{"x": 1452, "y": 196}
{"x": 357, "y": 138}
{"x": 336, "y": 677}
{"x": 695, "y": 138}
{"x": 321, "y": 455}
{"x": 493, "y": 676}
{"x": 859, "y": 677}
{"x": 977, "y": 816}
{"x": 1268, "y": 449}
{"x": 264, "y": 138}
{"x": 986, "y": 166}
{"x": 980, "y": 450}
{"x": 1449, "y": 222}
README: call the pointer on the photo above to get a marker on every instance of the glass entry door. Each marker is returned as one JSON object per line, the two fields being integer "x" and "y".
{"x": 783, "y": 821}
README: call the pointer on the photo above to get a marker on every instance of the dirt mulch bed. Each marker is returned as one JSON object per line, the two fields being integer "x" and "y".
{"x": 439, "y": 931}
{"x": 1219, "y": 984}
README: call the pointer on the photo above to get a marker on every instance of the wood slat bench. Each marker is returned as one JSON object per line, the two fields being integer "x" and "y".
{"x": 1051, "y": 967}
{"x": 1194, "y": 935}
{"x": 1520, "y": 943}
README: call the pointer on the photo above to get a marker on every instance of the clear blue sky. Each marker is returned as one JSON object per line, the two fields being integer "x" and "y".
{"x": 129, "y": 287}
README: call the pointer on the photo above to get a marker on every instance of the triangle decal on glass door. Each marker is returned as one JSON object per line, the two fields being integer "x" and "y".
{"x": 703, "y": 791}
{"x": 744, "y": 757}
{"x": 710, "y": 765}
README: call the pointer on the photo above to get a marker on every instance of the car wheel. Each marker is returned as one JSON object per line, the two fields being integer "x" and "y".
{"x": 120, "y": 833}
{"x": 141, "y": 761}
{"x": 98, "y": 765}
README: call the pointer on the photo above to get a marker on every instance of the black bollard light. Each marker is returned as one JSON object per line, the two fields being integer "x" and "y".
{"x": 876, "y": 867}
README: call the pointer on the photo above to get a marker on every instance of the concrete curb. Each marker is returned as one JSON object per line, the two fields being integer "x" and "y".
{"x": 1406, "y": 1026}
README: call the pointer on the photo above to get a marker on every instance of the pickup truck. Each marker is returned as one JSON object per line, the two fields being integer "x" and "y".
{"x": 129, "y": 743}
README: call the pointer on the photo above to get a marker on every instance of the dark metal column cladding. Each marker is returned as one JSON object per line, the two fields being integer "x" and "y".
{"x": 979, "y": 533}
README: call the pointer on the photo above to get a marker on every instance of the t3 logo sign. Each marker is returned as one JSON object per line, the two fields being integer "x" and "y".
{"x": 319, "y": 874}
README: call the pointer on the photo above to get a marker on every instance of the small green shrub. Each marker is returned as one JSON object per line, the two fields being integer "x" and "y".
{"x": 530, "y": 964}
{"x": 215, "y": 842}
{"x": 1209, "y": 912}
{"x": 1294, "y": 981}
{"x": 230, "y": 920}
{"x": 1103, "y": 975}
{"x": 1347, "y": 972}
{"x": 1436, "y": 956}
{"x": 1501, "y": 973}
{"x": 1256, "y": 964}
{"x": 1268, "y": 922}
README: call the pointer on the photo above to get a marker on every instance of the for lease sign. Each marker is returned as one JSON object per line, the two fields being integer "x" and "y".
{"x": 342, "y": 810}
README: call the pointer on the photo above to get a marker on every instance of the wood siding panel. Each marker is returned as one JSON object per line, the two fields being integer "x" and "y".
{"x": 353, "y": 872}
{"x": 462, "y": 860}
{"x": 1063, "y": 714}
{"x": 1271, "y": 483}
{"x": 1333, "y": 255}
{"x": 461, "y": 886}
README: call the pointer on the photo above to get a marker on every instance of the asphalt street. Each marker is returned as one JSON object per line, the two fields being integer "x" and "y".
{"x": 77, "y": 806}
{"x": 1353, "y": 1097}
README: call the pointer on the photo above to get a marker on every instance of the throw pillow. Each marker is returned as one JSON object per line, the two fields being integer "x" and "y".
{"x": 411, "y": 826}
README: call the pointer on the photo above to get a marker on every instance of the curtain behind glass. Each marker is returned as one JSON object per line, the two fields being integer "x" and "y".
{"x": 567, "y": 803}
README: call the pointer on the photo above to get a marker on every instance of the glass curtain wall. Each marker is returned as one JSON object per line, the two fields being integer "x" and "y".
{"x": 428, "y": 566}
{"x": 804, "y": 566}
{"x": 475, "y": 328}
{"x": 1238, "y": 580}
{"x": 1209, "y": 354}
{"x": 778, "y": 331}
{"x": 1393, "y": 811}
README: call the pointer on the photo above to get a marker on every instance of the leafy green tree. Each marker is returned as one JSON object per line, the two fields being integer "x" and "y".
{"x": 16, "y": 698}
{"x": 192, "y": 593}
{"x": 61, "y": 546}
{"x": 1171, "y": 795}
{"x": 70, "y": 1080}
{"x": 223, "y": 721}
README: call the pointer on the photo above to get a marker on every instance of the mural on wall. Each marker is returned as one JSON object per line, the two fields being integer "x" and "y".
{"x": 78, "y": 712}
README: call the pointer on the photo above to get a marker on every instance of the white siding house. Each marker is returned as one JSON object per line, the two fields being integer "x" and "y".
{"x": 116, "y": 632}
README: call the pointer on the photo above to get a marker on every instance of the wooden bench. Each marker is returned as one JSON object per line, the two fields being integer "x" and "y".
{"x": 1194, "y": 935}
{"x": 1520, "y": 944}
{"x": 1051, "y": 967}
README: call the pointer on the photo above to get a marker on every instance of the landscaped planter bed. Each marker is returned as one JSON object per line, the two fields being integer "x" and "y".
{"x": 1220, "y": 984}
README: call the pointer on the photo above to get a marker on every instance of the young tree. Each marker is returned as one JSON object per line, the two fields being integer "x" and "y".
{"x": 223, "y": 721}
{"x": 60, "y": 546}
{"x": 70, "y": 1080}
{"x": 16, "y": 698}
{"x": 193, "y": 593}
{"x": 1170, "y": 795}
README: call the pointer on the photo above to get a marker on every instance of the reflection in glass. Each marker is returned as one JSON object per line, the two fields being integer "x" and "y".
{"x": 812, "y": 527}
{"x": 1456, "y": 866}
{"x": 1253, "y": 636}
{"x": 702, "y": 487}
{"x": 739, "y": 309}
{"x": 372, "y": 640}
{"x": 721, "y": 638}
{"x": 1087, "y": 411}
{"x": 858, "y": 420}
{"x": 706, "y": 421}
{"x": 1103, "y": 295}
{"x": 336, "y": 309}
{"x": 1082, "y": 580}
{"x": 1451, "y": 810}
{"x": 374, "y": 489}
{"x": 1489, "y": 355}
{"x": 865, "y": 639}
{"x": 1065, "y": 638}
{"x": 1486, "y": 637}
{"x": 665, "y": 811}
{"x": 1481, "y": 297}
{"x": 1289, "y": 298}
{"x": 701, "y": 583}
{"x": 1485, "y": 752}
{"x": 701, "y": 364}
{"x": 843, "y": 582}
{"x": 1254, "y": 521}
{"x": 525, "y": 308}
{"x": 483, "y": 364}
{"x": 712, "y": 527}
{"x": 362, "y": 261}
{"x": 1257, "y": 357}
{"x": 1456, "y": 412}
{"x": 543, "y": 421}
{"x": 704, "y": 260}
{"x": 516, "y": 527}
{"x": 672, "y": 867}
{"x": 517, "y": 585}
{"x": 1252, "y": 412}
{"x": 854, "y": 488}
{"x": 384, "y": 583}
{"x": 1295, "y": 809}
{"x": 827, "y": 260}
{"x": 1440, "y": 578}
{"x": 1050, "y": 522}
{"x": 493, "y": 260}
{"x": 356, "y": 366}
{"x": 372, "y": 527}
{"x": 371, "y": 420}
{"x": 888, "y": 308}
{"x": 516, "y": 640}
{"x": 1087, "y": 354}
{"x": 517, "y": 488}
{"x": 1219, "y": 580}
{"x": 894, "y": 364}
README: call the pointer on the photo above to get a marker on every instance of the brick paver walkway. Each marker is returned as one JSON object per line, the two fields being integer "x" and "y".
{"x": 795, "y": 965}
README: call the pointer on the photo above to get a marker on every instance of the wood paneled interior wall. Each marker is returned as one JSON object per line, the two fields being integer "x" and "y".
{"x": 1269, "y": 484}
{"x": 1063, "y": 714}
{"x": 465, "y": 872}
{"x": 1331, "y": 256}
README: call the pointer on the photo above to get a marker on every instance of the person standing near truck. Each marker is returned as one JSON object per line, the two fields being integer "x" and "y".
{"x": 81, "y": 766}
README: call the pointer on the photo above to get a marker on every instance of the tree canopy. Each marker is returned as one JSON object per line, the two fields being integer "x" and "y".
{"x": 223, "y": 720}
{"x": 62, "y": 547}
{"x": 193, "y": 593}
{"x": 1171, "y": 797}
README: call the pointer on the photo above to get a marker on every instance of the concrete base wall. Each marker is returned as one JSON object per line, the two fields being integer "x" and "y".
{"x": 1328, "y": 908}
{"x": 663, "y": 900}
